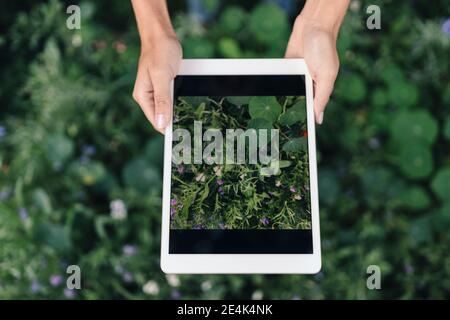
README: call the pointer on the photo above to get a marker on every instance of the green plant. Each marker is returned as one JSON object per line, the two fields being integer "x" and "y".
{"x": 239, "y": 196}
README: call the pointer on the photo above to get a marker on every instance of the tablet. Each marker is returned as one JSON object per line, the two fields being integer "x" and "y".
{"x": 240, "y": 178}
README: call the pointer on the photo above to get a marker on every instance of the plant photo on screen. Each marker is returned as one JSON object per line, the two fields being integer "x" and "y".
{"x": 80, "y": 167}
{"x": 239, "y": 196}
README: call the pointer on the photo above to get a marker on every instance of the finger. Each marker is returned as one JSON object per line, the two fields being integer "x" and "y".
{"x": 324, "y": 85}
{"x": 292, "y": 50}
{"x": 162, "y": 99}
{"x": 143, "y": 94}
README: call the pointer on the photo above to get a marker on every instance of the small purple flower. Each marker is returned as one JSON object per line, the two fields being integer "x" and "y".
{"x": 2, "y": 131}
{"x": 374, "y": 143}
{"x": 5, "y": 194}
{"x": 172, "y": 212}
{"x": 56, "y": 280}
{"x": 180, "y": 169}
{"x": 292, "y": 189}
{"x": 219, "y": 182}
{"x": 23, "y": 214}
{"x": 265, "y": 221}
{"x": 84, "y": 159}
{"x": 69, "y": 293}
{"x": 175, "y": 294}
{"x": 409, "y": 269}
{"x": 446, "y": 27}
{"x": 220, "y": 190}
{"x": 173, "y": 202}
{"x": 35, "y": 286}
{"x": 129, "y": 250}
{"x": 89, "y": 150}
{"x": 127, "y": 277}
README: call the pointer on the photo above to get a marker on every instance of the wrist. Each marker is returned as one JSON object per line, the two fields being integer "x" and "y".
{"x": 157, "y": 35}
{"x": 326, "y": 15}
{"x": 153, "y": 22}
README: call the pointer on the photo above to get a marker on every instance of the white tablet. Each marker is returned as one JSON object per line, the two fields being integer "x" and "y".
{"x": 240, "y": 179}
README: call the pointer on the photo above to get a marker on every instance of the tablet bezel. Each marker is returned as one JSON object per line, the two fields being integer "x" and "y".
{"x": 244, "y": 263}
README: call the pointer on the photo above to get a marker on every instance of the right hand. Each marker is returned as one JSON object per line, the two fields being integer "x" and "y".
{"x": 158, "y": 65}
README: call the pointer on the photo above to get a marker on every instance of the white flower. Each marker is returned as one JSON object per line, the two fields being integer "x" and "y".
{"x": 77, "y": 40}
{"x": 151, "y": 288}
{"x": 277, "y": 183}
{"x": 118, "y": 210}
{"x": 257, "y": 295}
{"x": 200, "y": 177}
{"x": 298, "y": 197}
{"x": 173, "y": 280}
{"x": 206, "y": 285}
{"x": 355, "y": 5}
{"x": 218, "y": 171}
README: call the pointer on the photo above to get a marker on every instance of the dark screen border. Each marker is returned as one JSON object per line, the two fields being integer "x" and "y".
{"x": 242, "y": 241}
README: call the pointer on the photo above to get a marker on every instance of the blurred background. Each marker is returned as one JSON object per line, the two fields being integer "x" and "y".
{"x": 80, "y": 167}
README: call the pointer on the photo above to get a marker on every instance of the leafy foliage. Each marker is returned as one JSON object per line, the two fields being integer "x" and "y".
{"x": 70, "y": 136}
{"x": 228, "y": 196}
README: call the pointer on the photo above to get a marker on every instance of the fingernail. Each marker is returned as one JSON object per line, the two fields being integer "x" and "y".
{"x": 160, "y": 121}
{"x": 320, "y": 119}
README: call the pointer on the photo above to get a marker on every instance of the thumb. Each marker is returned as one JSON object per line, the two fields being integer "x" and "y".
{"x": 163, "y": 101}
{"x": 324, "y": 85}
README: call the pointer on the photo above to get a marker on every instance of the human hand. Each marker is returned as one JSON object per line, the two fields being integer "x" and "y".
{"x": 317, "y": 45}
{"x": 158, "y": 66}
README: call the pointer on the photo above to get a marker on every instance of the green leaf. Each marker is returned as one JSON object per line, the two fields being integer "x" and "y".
{"x": 264, "y": 107}
{"x": 140, "y": 175}
{"x": 210, "y": 5}
{"x": 352, "y": 88}
{"x": 194, "y": 102}
{"x": 403, "y": 94}
{"x": 233, "y": 19}
{"x": 329, "y": 187}
{"x": 268, "y": 23}
{"x": 89, "y": 173}
{"x": 414, "y": 198}
{"x": 441, "y": 219}
{"x": 441, "y": 184}
{"x": 229, "y": 48}
{"x": 259, "y": 123}
{"x": 391, "y": 73}
{"x": 280, "y": 164}
{"x": 204, "y": 194}
{"x": 379, "y": 98}
{"x": 379, "y": 182}
{"x": 42, "y": 201}
{"x": 53, "y": 235}
{"x": 447, "y": 128}
{"x": 197, "y": 47}
{"x": 414, "y": 127}
{"x": 154, "y": 151}
{"x": 59, "y": 148}
{"x": 239, "y": 100}
{"x": 295, "y": 114}
{"x": 295, "y": 145}
{"x": 415, "y": 161}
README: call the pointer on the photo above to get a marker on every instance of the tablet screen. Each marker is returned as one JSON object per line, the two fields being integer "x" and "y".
{"x": 240, "y": 171}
